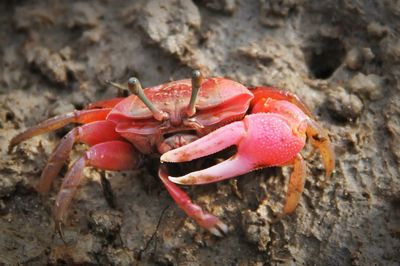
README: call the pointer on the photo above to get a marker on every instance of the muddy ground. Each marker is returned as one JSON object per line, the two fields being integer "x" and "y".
{"x": 341, "y": 57}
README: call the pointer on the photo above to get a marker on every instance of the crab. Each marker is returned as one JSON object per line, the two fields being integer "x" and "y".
{"x": 181, "y": 121}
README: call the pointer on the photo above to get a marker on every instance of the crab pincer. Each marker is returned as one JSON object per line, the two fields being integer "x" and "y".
{"x": 264, "y": 139}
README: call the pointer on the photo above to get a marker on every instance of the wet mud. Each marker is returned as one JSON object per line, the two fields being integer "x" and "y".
{"x": 341, "y": 57}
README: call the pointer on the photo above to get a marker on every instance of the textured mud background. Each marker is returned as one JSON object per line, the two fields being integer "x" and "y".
{"x": 341, "y": 57}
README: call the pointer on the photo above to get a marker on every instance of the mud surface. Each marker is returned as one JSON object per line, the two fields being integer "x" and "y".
{"x": 341, "y": 57}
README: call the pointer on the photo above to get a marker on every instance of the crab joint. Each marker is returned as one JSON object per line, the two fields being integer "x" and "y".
{"x": 136, "y": 88}
{"x": 197, "y": 79}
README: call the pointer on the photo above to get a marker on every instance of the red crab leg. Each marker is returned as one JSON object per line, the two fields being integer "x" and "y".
{"x": 105, "y": 103}
{"x": 203, "y": 218}
{"x": 82, "y": 117}
{"x": 91, "y": 134}
{"x": 112, "y": 155}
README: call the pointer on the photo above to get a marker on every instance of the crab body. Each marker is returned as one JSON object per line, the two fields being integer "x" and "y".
{"x": 182, "y": 121}
{"x": 219, "y": 102}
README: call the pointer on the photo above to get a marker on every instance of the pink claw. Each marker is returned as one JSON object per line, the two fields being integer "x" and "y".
{"x": 262, "y": 140}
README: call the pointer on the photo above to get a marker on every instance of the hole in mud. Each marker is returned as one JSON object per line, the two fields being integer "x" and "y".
{"x": 323, "y": 56}
{"x": 9, "y": 116}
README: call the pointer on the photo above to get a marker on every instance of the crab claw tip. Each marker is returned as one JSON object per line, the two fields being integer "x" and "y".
{"x": 219, "y": 230}
{"x": 182, "y": 180}
{"x": 215, "y": 232}
{"x": 166, "y": 158}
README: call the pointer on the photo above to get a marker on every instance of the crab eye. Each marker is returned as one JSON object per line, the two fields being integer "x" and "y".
{"x": 134, "y": 85}
{"x": 133, "y": 81}
{"x": 196, "y": 74}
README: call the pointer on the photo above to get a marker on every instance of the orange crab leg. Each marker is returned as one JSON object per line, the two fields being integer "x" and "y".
{"x": 194, "y": 211}
{"x": 88, "y": 134}
{"x": 82, "y": 117}
{"x": 296, "y": 184}
{"x": 111, "y": 155}
{"x": 320, "y": 140}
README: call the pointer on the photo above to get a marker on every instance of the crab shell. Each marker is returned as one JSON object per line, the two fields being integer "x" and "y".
{"x": 220, "y": 101}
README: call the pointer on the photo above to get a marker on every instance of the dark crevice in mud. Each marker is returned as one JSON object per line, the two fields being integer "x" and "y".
{"x": 323, "y": 55}
{"x": 107, "y": 191}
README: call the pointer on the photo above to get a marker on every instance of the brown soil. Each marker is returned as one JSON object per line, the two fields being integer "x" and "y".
{"x": 341, "y": 57}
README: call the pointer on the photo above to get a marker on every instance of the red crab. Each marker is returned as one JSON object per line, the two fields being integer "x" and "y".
{"x": 185, "y": 120}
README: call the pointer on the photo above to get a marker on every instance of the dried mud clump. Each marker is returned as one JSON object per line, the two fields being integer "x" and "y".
{"x": 170, "y": 25}
{"x": 371, "y": 86}
{"x": 344, "y": 106}
{"x": 275, "y": 12}
{"x": 51, "y": 65}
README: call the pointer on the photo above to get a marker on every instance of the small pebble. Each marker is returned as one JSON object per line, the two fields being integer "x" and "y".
{"x": 377, "y": 30}
{"x": 367, "y": 54}
{"x": 354, "y": 59}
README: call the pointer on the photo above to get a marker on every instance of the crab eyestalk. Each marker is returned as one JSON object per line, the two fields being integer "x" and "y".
{"x": 197, "y": 79}
{"x": 116, "y": 85}
{"x": 136, "y": 88}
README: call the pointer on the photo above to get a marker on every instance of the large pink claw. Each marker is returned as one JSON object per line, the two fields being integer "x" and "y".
{"x": 262, "y": 140}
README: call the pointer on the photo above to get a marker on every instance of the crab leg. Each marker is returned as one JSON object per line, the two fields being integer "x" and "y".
{"x": 111, "y": 155}
{"x": 91, "y": 134}
{"x": 203, "y": 218}
{"x": 320, "y": 139}
{"x": 105, "y": 103}
{"x": 82, "y": 117}
{"x": 296, "y": 184}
